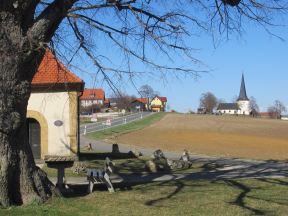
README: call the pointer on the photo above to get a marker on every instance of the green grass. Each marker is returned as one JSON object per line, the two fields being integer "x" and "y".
{"x": 132, "y": 126}
{"x": 231, "y": 197}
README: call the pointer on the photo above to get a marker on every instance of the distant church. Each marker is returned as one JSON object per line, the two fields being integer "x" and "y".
{"x": 242, "y": 105}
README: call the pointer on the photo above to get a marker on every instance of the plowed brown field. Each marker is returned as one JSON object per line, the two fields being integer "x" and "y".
{"x": 228, "y": 136}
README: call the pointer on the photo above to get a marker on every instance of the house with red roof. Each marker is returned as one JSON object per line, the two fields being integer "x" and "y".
{"x": 94, "y": 96}
{"x": 158, "y": 104}
{"x": 52, "y": 112}
{"x": 139, "y": 104}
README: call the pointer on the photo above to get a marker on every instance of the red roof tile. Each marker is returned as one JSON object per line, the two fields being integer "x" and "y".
{"x": 51, "y": 71}
{"x": 142, "y": 100}
{"x": 93, "y": 94}
{"x": 163, "y": 99}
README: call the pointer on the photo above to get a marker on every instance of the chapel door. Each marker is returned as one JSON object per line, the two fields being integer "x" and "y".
{"x": 34, "y": 137}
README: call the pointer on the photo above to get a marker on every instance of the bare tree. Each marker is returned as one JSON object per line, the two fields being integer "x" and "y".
{"x": 146, "y": 91}
{"x": 122, "y": 100}
{"x": 208, "y": 101}
{"x": 277, "y": 109}
{"x": 254, "y": 106}
{"x": 79, "y": 28}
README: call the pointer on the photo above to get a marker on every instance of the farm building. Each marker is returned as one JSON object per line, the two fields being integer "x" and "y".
{"x": 272, "y": 115}
{"x": 242, "y": 105}
{"x": 52, "y": 112}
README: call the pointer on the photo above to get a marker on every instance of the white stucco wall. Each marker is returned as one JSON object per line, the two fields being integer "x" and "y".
{"x": 244, "y": 107}
{"x": 230, "y": 112}
{"x": 86, "y": 103}
{"x": 54, "y": 106}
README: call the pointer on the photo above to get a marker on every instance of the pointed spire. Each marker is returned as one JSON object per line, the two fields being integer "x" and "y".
{"x": 242, "y": 94}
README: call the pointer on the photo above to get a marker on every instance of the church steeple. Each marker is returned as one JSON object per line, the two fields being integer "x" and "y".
{"x": 242, "y": 94}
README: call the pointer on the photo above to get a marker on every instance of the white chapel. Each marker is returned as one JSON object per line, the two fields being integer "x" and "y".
{"x": 242, "y": 105}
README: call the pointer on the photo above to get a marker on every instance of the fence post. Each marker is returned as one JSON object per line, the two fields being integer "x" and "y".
{"x": 85, "y": 129}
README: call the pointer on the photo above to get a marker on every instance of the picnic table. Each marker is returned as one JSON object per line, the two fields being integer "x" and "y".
{"x": 59, "y": 163}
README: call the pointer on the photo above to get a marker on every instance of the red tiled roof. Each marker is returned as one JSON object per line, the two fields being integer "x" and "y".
{"x": 268, "y": 114}
{"x": 51, "y": 71}
{"x": 163, "y": 99}
{"x": 142, "y": 100}
{"x": 93, "y": 94}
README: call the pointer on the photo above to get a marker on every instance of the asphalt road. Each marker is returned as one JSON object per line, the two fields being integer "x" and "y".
{"x": 98, "y": 126}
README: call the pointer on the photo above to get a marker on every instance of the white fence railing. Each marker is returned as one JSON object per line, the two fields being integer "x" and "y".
{"x": 98, "y": 126}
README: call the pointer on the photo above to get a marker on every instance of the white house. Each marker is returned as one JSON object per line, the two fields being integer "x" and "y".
{"x": 92, "y": 97}
{"x": 242, "y": 105}
{"x": 52, "y": 113}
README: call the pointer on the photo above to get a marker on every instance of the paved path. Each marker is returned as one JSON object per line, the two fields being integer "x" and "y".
{"x": 238, "y": 170}
{"x": 225, "y": 168}
{"x": 102, "y": 146}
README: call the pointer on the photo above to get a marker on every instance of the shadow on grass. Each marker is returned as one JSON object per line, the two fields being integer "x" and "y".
{"x": 240, "y": 199}
{"x": 101, "y": 156}
{"x": 179, "y": 186}
{"x": 131, "y": 170}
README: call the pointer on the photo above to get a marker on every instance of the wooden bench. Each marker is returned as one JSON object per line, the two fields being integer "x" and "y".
{"x": 59, "y": 163}
{"x": 95, "y": 176}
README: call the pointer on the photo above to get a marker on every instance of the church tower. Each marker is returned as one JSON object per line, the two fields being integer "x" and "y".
{"x": 243, "y": 101}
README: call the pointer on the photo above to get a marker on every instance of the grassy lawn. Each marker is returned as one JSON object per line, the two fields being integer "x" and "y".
{"x": 231, "y": 197}
{"x": 132, "y": 126}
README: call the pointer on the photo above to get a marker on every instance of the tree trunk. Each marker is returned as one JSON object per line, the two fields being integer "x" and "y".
{"x": 21, "y": 181}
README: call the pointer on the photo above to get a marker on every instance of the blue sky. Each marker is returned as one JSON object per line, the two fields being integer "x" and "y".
{"x": 262, "y": 58}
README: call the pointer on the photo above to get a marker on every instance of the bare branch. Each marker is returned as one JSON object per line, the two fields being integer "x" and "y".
{"x": 48, "y": 21}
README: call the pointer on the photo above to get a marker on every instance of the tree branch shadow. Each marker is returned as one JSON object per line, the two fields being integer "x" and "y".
{"x": 240, "y": 199}
{"x": 179, "y": 186}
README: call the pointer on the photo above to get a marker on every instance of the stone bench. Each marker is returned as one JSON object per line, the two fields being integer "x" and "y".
{"x": 95, "y": 176}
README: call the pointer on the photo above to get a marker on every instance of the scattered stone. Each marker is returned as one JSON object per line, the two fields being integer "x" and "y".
{"x": 151, "y": 166}
{"x": 185, "y": 156}
{"x": 158, "y": 154}
{"x": 161, "y": 163}
{"x": 183, "y": 163}
{"x": 185, "y": 160}
{"x": 135, "y": 153}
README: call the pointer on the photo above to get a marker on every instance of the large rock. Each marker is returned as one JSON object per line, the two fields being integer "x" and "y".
{"x": 158, "y": 154}
{"x": 151, "y": 166}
